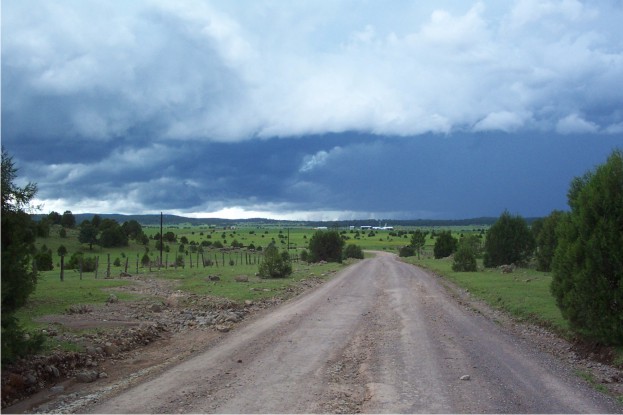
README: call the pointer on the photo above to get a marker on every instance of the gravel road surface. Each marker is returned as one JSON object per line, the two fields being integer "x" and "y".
{"x": 382, "y": 337}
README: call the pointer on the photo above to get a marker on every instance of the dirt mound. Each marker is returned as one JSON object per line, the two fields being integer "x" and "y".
{"x": 28, "y": 376}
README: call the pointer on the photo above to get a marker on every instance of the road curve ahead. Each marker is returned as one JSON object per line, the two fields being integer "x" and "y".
{"x": 382, "y": 337}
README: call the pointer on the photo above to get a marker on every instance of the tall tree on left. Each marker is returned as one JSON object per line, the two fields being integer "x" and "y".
{"x": 18, "y": 276}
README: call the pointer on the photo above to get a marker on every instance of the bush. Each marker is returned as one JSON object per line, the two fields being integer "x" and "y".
{"x": 509, "y": 241}
{"x": 326, "y": 246}
{"x": 112, "y": 234}
{"x": 353, "y": 251}
{"x": 43, "y": 260}
{"x": 587, "y": 278}
{"x": 304, "y": 255}
{"x": 445, "y": 245}
{"x": 88, "y": 263}
{"x": 474, "y": 243}
{"x": 418, "y": 240}
{"x": 275, "y": 265}
{"x": 62, "y": 250}
{"x": 406, "y": 251}
{"x": 464, "y": 259}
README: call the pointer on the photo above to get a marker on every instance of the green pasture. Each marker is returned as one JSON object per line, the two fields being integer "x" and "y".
{"x": 524, "y": 293}
{"x": 53, "y": 296}
{"x": 195, "y": 280}
{"x": 296, "y": 238}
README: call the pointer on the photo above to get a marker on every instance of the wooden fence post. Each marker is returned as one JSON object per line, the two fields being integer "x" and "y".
{"x": 62, "y": 268}
{"x": 137, "y": 263}
{"x": 80, "y": 266}
{"x": 108, "y": 267}
{"x": 127, "y": 261}
{"x": 97, "y": 265}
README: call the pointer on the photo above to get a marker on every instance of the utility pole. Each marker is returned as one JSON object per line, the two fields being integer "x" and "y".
{"x": 161, "y": 243}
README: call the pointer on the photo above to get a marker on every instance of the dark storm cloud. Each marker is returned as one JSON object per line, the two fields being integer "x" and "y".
{"x": 458, "y": 176}
{"x": 416, "y": 109}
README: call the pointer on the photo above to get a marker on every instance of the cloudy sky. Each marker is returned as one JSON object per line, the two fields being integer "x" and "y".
{"x": 310, "y": 109}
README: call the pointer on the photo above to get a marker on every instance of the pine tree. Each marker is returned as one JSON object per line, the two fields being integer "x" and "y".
{"x": 509, "y": 241}
{"x": 587, "y": 278}
{"x": 19, "y": 279}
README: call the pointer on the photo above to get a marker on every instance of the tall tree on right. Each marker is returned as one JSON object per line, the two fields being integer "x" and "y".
{"x": 587, "y": 278}
{"x": 509, "y": 241}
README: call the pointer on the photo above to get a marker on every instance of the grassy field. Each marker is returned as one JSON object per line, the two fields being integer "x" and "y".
{"x": 524, "y": 293}
{"x": 260, "y": 236}
{"x": 54, "y": 297}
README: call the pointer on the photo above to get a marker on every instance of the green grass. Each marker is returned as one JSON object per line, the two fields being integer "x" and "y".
{"x": 590, "y": 379}
{"x": 524, "y": 293}
{"x": 52, "y": 296}
{"x": 195, "y": 281}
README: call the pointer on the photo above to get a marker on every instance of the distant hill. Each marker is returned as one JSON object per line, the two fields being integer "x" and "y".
{"x": 152, "y": 220}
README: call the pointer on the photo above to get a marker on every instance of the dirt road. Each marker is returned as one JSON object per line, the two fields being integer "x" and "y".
{"x": 382, "y": 336}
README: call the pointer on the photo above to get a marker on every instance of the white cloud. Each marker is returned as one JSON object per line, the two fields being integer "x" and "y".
{"x": 528, "y": 11}
{"x": 574, "y": 124}
{"x": 316, "y": 160}
{"x": 114, "y": 203}
{"x": 228, "y": 71}
{"x": 311, "y": 162}
{"x": 501, "y": 121}
{"x": 289, "y": 212}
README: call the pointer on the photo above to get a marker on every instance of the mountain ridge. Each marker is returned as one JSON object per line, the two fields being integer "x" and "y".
{"x": 168, "y": 219}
